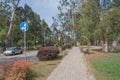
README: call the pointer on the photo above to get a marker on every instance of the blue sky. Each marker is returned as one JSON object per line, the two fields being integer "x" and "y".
{"x": 45, "y": 8}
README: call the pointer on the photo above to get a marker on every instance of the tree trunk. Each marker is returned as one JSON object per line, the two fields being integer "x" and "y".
{"x": 9, "y": 40}
{"x": 115, "y": 43}
{"x": 105, "y": 47}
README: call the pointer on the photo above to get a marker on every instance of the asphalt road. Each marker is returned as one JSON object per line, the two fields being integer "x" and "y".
{"x": 31, "y": 55}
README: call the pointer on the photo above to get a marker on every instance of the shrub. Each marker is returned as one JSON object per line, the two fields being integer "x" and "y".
{"x": 48, "y": 53}
{"x": 4, "y": 69}
{"x": 1, "y": 72}
{"x": 19, "y": 70}
{"x": 68, "y": 46}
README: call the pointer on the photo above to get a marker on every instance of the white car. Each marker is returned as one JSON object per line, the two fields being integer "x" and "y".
{"x": 13, "y": 51}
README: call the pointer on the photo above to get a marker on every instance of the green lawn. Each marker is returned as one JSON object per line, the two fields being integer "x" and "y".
{"x": 105, "y": 66}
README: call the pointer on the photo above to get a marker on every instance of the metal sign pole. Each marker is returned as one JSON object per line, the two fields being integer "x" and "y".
{"x": 25, "y": 45}
{"x": 24, "y": 27}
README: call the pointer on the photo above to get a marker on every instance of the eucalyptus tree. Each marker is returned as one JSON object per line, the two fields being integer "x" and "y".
{"x": 13, "y": 4}
{"x": 98, "y": 20}
{"x": 46, "y": 32}
{"x": 17, "y": 35}
{"x": 35, "y": 29}
{"x": 54, "y": 29}
{"x": 67, "y": 17}
{"x": 103, "y": 29}
{"x": 2, "y": 36}
{"x": 89, "y": 20}
{"x": 4, "y": 15}
{"x": 4, "y": 20}
{"x": 11, "y": 15}
{"x": 110, "y": 22}
{"x": 34, "y": 34}
{"x": 114, "y": 18}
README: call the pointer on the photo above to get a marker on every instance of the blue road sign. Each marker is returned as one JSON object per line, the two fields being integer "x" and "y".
{"x": 24, "y": 26}
{"x": 59, "y": 35}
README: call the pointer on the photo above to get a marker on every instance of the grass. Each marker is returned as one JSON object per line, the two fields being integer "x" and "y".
{"x": 44, "y": 68}
{"x": 105, "y": 66}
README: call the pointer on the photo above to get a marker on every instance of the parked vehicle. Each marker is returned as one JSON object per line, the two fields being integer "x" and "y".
{"x": 13, "y": 51}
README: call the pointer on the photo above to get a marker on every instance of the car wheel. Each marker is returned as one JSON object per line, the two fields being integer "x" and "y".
{"x": 13, "y": 53}
{"x": 5, "y": 54}
{"x": 21, "y": 52}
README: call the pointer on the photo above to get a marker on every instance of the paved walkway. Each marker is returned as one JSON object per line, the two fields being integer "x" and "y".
{"x": 72, "y": 67}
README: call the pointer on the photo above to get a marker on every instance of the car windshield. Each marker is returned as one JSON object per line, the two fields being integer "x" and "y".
{"x": 12, "y": 48}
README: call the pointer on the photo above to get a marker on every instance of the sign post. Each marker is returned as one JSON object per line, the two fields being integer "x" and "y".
{"x": 24, "y": 27}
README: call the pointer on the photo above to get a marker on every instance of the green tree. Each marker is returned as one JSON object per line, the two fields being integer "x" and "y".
{"x": 69, "y": 11}
{"x": 3, "y": 33}
{"x": 46, "y": 32}
{"x": 89, "y": 20}
{"x": 34, "y": 33}
{"x": 114, "y": 19}
{"x": 13, "y": 4}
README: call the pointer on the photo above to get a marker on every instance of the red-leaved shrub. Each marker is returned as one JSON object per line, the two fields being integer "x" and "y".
{"x": 19, "y": 70}
{"x": 1, "y": 72}
{"x": 48, "y": 53}
{"x": 4, "y": 69}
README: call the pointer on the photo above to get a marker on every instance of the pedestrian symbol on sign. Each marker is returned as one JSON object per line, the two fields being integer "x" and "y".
{"x": 24, "y": 26}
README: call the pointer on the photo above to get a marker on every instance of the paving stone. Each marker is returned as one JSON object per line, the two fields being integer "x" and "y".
{"x": 72, "y": 67}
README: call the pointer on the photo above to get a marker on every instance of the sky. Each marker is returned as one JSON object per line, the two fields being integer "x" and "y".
{"x": 45, "y": 8}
